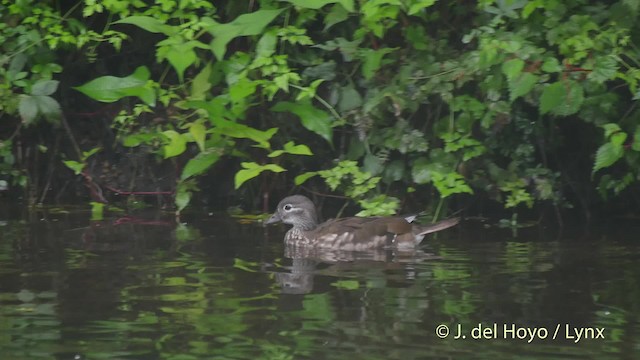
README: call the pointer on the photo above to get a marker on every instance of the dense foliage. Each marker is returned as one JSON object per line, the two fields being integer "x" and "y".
{"x": 518, "y": 103}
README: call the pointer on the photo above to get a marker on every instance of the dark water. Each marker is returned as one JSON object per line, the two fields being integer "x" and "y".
{"x": 144, "y": 288}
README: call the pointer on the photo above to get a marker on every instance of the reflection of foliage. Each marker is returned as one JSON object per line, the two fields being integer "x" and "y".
{"x": 172, "y": 302}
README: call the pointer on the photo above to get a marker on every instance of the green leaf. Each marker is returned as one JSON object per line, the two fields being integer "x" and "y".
{"x": 562, "y": 98}
{"x": 241, "y": 131}
{"x": 336, "y": 15}
{"x": 531, "y": 7}
{"x": 134, "y": 140}
{"x": 199, "y": 133}
{"x": 421, "y": 171}
{"x": 294, "y": 149}
{"x": 113, "y": 88}
{"x": 618, "y": 139}
{"x": 283, "y": 81}
{"x": 416, "y": 35}
{"x": 607, "y": 155}
{"x": 302, "y": 178}
{"x": 372, "y": 164}
{"x": 348, "y": 49}
{"x": 44, "y": 87}
{"x": 394, "y": 171}
{"x": 512, "y": 68}
{"x": 87, "y": 154}
{"x": 31, "y": 106}
{"x": 379, "y": 205}
{"x": 183, "y": 196}
{"x": 605, "y": 68}
{"x": 521, "y": 85}
{"x": 312, "y": 119}
{"x": 242, "y": 89}
{"x": 267, "y": 44}
{"x": 317, "y": 4}
{"x": 49, "y": 108}
{"x": 439, "y": 161}
{"x": 180, "y": 55}
{"x": 76, "y": 166}
{"x": 28, "y": 109}
{"x": 450, "y": 183}
{"x": 325, "y": 71}
{"x": 636, "y": 139}
{"x": 149, "y": 24}
{"x": 275, "y": 153}
{"x": 551, "y": 65}
{"x": 251, "y": 170}
{"x": 572, "y": 100}
{"x": 244, "y": 25}
{"x": 516, "y": 193}
{"x": 18, "y": 61}
{"x": 610, "y": 129}
{"x": 291, "y": 148}
{"x": 201, "y": 84}
{"x": 376, "y": 15}
{"x": 97, "y": 211}
{"x": 373, "y": 61}
{"x": 349, "y": 99}
{"x": 419, "y": 5}
{"x": 200, "y": 163}
{"x": 177, "y": 144}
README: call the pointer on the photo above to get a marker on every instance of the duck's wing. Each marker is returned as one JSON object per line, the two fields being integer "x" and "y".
{"x": 355, "y": 233}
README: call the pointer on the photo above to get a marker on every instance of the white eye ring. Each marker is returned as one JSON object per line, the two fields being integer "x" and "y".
{"x": 287, "y": 207}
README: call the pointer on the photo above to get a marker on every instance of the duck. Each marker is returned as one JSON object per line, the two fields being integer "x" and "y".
{"x": 350, "y": 233}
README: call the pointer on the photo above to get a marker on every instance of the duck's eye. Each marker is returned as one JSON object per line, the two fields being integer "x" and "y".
{"x": 287, "y": 207}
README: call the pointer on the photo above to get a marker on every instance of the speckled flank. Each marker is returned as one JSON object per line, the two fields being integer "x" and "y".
{"x": 346, "y": 241}
{"x": 342, "y": 241}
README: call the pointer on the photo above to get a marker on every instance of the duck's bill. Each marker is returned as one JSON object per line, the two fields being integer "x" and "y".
{"x": 275, "y": 218}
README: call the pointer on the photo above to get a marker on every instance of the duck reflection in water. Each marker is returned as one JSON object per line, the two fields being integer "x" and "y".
{"x": 300, "y": 279}
{"x": 307, "y": 263}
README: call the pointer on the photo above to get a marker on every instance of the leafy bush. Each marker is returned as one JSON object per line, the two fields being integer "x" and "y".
{"x": 405, "y": 96}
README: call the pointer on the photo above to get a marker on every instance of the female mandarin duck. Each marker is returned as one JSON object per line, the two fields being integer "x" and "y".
{"x": 352, "y": 233}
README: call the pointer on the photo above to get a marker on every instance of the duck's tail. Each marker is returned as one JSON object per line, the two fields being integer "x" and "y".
{"x": 421, "y": 230}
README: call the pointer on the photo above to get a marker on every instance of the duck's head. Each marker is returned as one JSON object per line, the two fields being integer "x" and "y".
{"x": 296, "y": 210}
